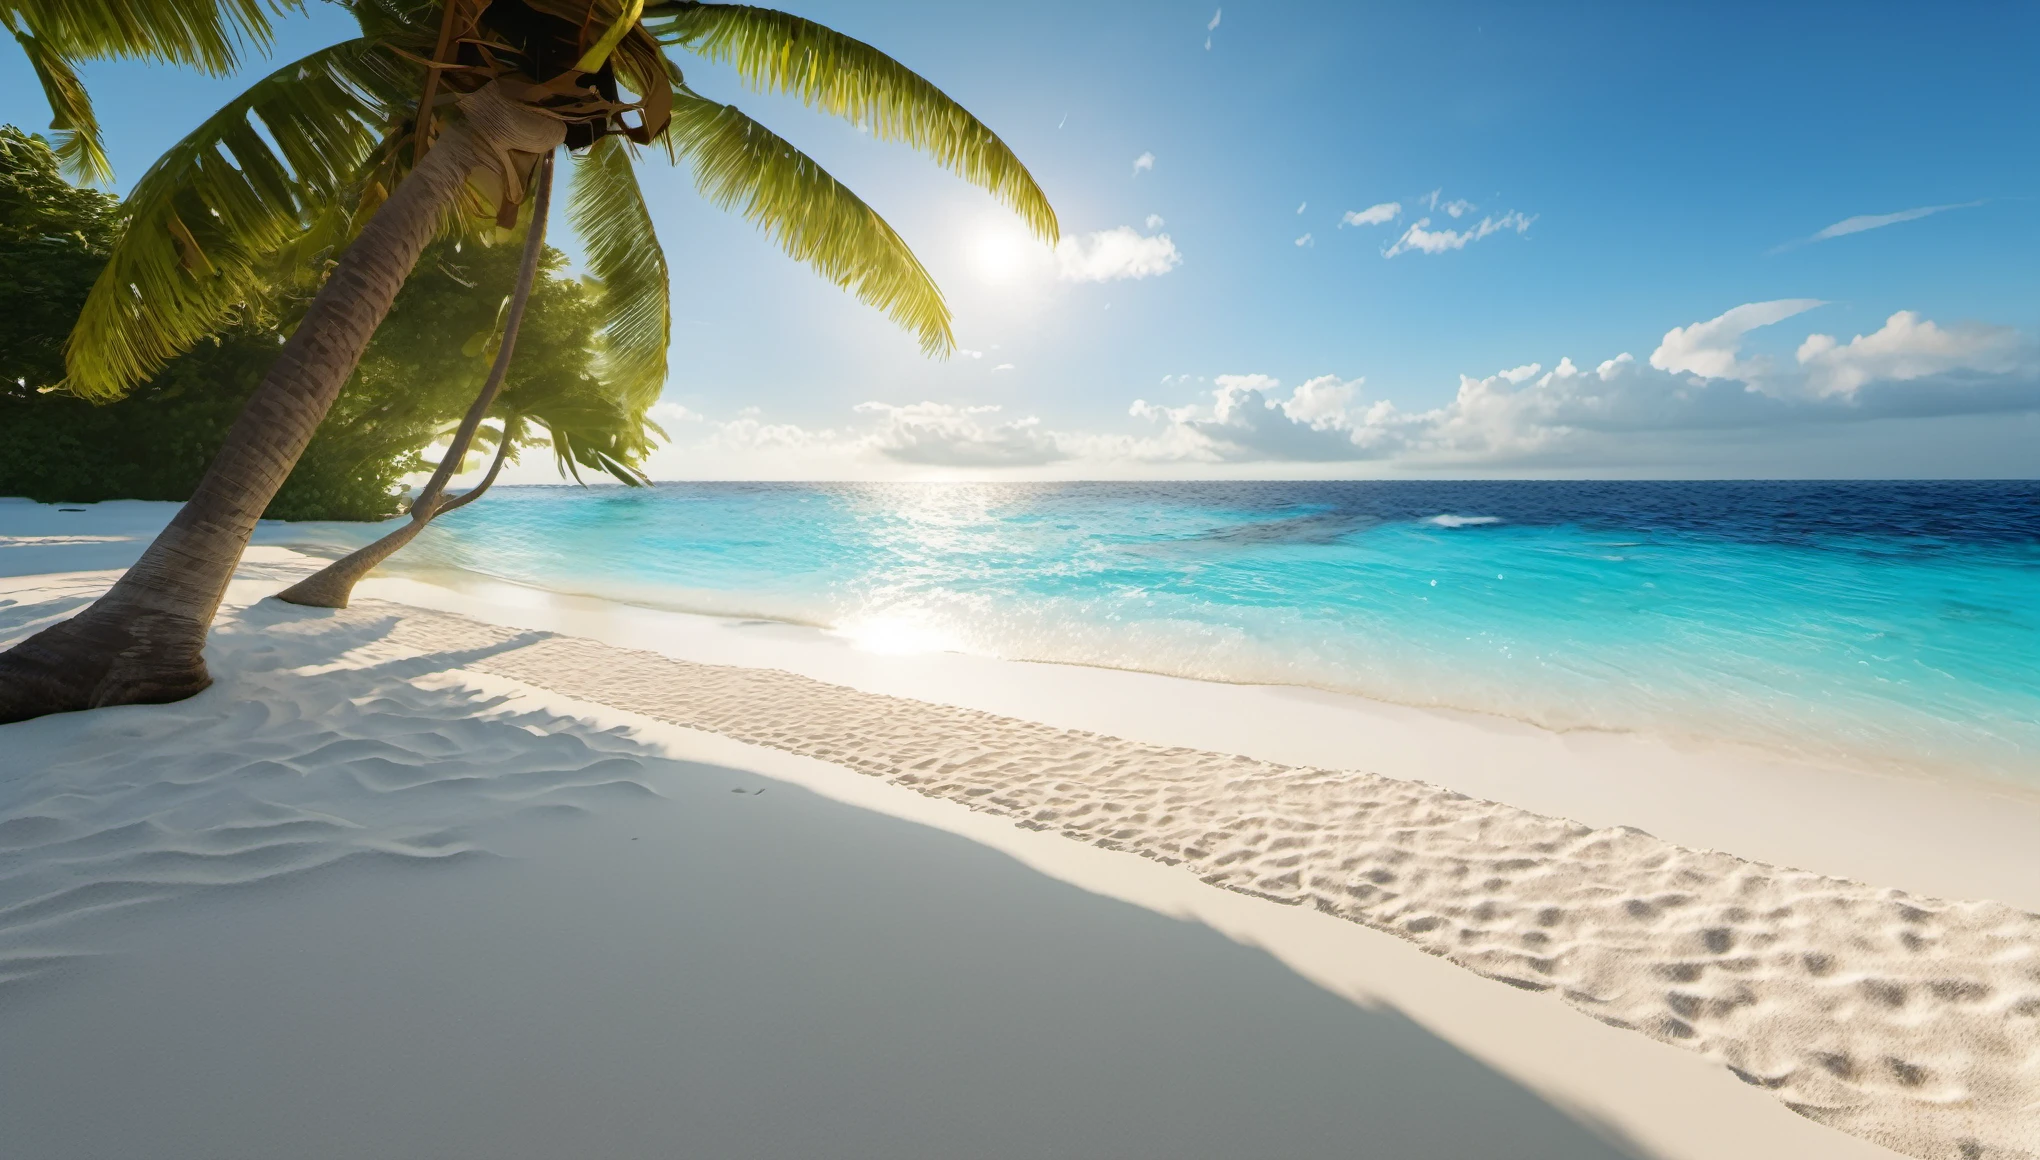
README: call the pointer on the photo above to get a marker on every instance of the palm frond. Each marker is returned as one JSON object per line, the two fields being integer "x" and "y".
{"x": 585, "y": 424}
{"x": 200, "y": 221}
{"x": 73, "y": 126}
{"x": 607, "y": 209}
{"x": 778, "y": 52}
{"x": 204, "y": 34}
{"x": 740, "y": 164}
{"x": 575, "y": 447}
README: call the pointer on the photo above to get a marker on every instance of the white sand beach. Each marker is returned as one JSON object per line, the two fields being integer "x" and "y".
{"x": 471, "y": 869}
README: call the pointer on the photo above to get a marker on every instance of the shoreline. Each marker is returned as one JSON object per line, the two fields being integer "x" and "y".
{"x": 1813, "y": 743}
{"x": 1881, "y": 631}
{"x": 1872, "y": 826}
{"x": 1922, "y": 838}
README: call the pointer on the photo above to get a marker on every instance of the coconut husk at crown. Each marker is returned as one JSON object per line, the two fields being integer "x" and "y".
{"x": 541, "y": 43}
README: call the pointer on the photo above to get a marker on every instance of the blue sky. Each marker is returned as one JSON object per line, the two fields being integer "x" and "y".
{"x": 1654, "y": 181}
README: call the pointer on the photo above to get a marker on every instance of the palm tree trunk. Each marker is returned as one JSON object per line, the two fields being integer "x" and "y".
{"x": 143, "y": 642}
{"x": 333, "y": 585}
{"x": 511, "y": 428}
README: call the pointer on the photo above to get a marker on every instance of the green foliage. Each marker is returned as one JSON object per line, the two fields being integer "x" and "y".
{"x": 156, "y": 443}
{"x": 203, "y": 223}
{"x": 53, "y": 240}
{"x": 414, "y": 382}
{"x": 431, "y": 354}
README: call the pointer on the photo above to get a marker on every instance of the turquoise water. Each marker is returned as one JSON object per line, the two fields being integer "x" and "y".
{"x": 1888, "y": 624}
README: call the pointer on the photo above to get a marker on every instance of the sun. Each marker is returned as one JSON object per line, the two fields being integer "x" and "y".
{"x": 998, "y": 256}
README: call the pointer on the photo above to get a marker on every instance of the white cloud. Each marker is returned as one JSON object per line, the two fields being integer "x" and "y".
{"x": 942, "y": 435}
{"x": 1712, "y": 349}
{"x": 1323, "y": 402}
{"x": 1428, "y": 241}
{"x": 1145, "y": 161}
{"x": 749, "y": 433}
{"x": 672, "y": 414}
{"x": 1155, "y": 222}
{"x": 1213, "y": 26}
{"x": 1305, "y": 240}
{"x": 1459, "y": 208}
{"x": 1301, "y": 206}
{"x": 1373, "y": 215}
{"x": 1907, "y": 347}
{"x": 1248, "y": 420}
{"x": 1874, "y": 221}
{"x": 1116, "y": 253}
{"x": 1003, "y": 367}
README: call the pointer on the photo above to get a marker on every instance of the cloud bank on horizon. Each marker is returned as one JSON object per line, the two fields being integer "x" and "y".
{"x": 1698, "y": 381}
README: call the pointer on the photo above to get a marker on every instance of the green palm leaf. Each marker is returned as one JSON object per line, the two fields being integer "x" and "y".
{"x": 777, "y": 52}
{"x": 205, "y": 34}
{"x": 200, "y": 222}
{"x": 608, "y": 211}
{"x": 73, "y": 126}
{"x": 586, "y": 424}
{"x": 740, "y": 164}
{"x": 596, "y": 434}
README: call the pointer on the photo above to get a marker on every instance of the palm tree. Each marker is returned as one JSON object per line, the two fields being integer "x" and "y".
{"x": 375, "y": 143}
{"x": 333, "y": 585}
{"x": 586, "y": 427}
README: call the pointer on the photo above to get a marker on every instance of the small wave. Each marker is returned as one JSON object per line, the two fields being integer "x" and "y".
{"x": 1451, "y": 521}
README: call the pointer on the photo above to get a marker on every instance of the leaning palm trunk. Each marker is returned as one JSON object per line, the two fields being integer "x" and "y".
{"x": 331, "y": 586}
{"x": 143, "y": 642}
{"x": 511, "y": 427}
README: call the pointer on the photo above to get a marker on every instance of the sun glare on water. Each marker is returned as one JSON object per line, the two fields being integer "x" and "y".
{"x": 895, "y": 635}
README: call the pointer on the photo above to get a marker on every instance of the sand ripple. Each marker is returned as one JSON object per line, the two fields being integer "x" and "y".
{"x": 274, "y": 773}
{"x": 1910, "y": 1021}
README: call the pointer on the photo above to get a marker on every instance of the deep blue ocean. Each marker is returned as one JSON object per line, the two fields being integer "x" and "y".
{"x": 1891, "y": 624}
